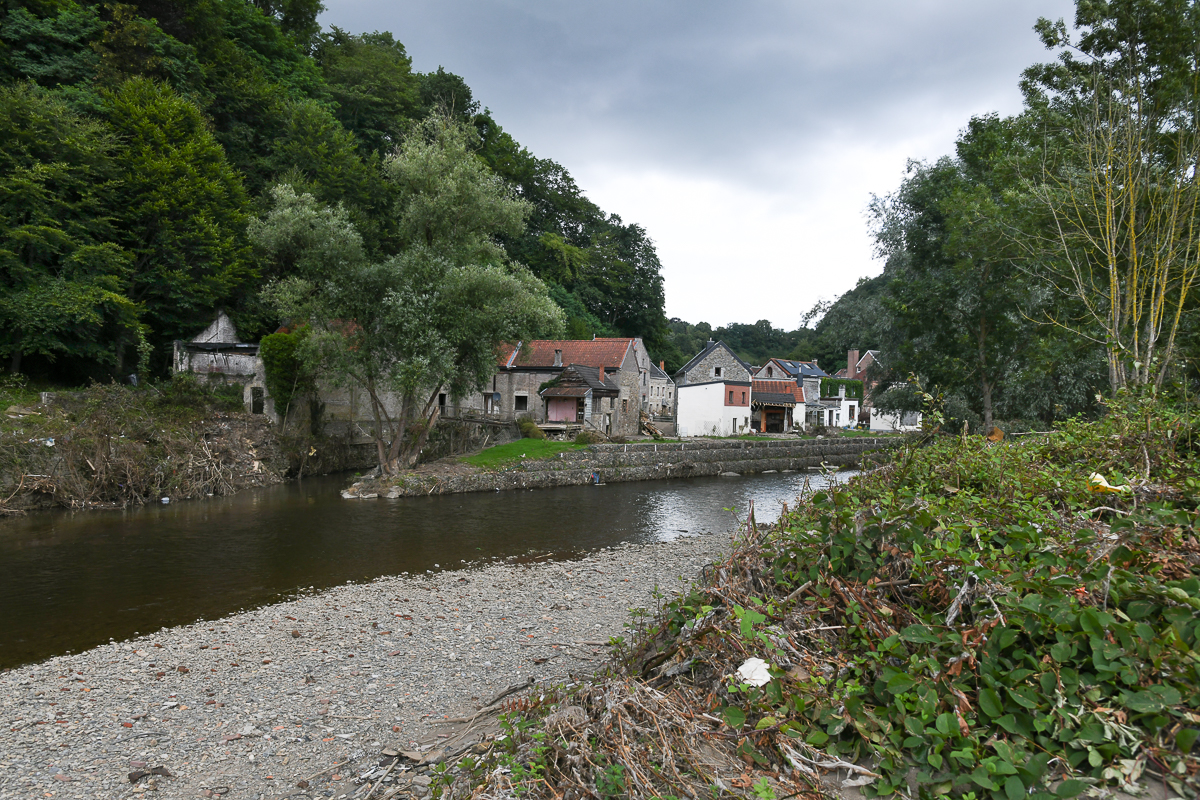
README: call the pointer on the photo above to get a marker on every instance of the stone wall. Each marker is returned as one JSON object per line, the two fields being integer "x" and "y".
{"x": 642, "y": 461}
{"x": 702, "y": 371}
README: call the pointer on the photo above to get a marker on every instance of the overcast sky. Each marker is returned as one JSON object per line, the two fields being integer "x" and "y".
{"x": 747, "y": 138}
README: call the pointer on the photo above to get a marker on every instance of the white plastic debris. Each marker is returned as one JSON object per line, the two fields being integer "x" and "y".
{"x": 755, "y": 672}
{"x": 166, "y": 500}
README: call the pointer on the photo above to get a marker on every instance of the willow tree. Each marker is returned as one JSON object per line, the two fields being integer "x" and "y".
{"x": 427, "y": 320}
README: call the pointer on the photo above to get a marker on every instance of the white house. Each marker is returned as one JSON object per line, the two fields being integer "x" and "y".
{"x": 715, "y": 408}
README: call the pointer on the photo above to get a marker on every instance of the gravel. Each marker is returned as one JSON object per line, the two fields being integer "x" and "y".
{"x": 251, "y": 705}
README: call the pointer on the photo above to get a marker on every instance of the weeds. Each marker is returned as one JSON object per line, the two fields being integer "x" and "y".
{"x": 971, "y": 621}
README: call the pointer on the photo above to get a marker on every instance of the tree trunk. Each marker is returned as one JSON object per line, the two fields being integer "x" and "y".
{"x": 14, "y": 364}
{"x": 405, "y": 452}
{"x": 379, "y": 448}
{"x": 985, "y": 385}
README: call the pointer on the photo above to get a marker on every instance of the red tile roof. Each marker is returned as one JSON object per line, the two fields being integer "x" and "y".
{"x": 607, "y": 353}
{"x": 778, "y": 387}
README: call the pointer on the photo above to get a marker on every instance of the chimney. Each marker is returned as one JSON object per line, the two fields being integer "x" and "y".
{"x": 558, "y": 358}
{"x": 851, "y": 362}
{"x": 662, "y": 365}
{"x": 602, "y": 373}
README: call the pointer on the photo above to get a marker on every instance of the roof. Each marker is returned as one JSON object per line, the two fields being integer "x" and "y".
{"x": 800, "y": 369}
{"x": 591, "y": 376}
{"x": 773, "y": 399}
{"x": 565, "y": 391}
{"x": 655, "y": 372}
{"x": 708, "y": 348}
{"x": 607, "y": 353}
{"x": 874, "y": 354}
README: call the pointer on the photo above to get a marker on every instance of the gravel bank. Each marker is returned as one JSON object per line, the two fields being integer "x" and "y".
{"x": 251, "y": 705}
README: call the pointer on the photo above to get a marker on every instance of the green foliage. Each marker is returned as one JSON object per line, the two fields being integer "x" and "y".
{"x": 831, "y": 386}
{"x": 530, "y": 429}
{"x": 141, "y": 139}
{"x": 1028, "y": 645}
{"x": 184, "y": 211}
{"x": 286, "y": 371}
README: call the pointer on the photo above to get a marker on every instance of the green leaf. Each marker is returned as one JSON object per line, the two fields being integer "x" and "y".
{"x": 1061, "y": 652}
{"x": 1013, "y": 788}
{"x": 920, "y": 634}
{"x": 990, "y": 703}
{"x": 901, "y": 682}
{"x": 734, "y": 717}
{"x": 1069, "y": 788}
{"x": 765, "y": 722}
{"x": 1185, "y": 739}
{"x": 817, "y": 738}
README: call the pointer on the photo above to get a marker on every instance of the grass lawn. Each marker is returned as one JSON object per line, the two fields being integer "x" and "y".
{"x": 502, "y": 455}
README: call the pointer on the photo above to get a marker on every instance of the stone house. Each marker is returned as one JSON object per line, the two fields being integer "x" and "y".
{"x": 216, "y": 355}
{"x": 523, "y": 369}
{"x": 713, "y": 393}
{"x": 715, "y": 362}
{"x": 773, "y": 405}
{"x": 581, "y": 396}
{"x": 661, "y": 401}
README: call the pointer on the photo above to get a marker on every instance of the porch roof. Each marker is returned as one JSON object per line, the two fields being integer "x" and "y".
{"x": 565, "y": 391}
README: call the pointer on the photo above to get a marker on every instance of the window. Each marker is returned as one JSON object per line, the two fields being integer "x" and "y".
{"x": 624, "y": 404}
{"x": 716, "y": 372}
{"x": 442, "y": 399}
{"x": 731, "y": 395}
{"x": 521, "y": 403}
{"x": 257, "y": 399}
{"x": 770, "y": 372}
{"x": 743, "y": 398}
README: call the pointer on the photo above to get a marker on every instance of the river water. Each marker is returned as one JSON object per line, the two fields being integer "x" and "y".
{"x": 70, "y": 581}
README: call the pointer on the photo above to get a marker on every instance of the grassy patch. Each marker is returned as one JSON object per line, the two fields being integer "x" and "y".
{"x": 503, "y": 455}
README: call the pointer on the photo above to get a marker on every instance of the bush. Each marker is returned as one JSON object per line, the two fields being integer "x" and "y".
{"x": 588, "y": 437}
{"x": 530, "y": 430}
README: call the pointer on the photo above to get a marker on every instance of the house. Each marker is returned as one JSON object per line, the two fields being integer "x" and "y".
{"x": 661, "y": 401}
{"x": 841, "y": 400}
{"x": 523, "y": 368}
{"x": 773, "y": 403}
{"x": 807, "y": 377}
{"x": 216, "y": 355}
{"x": 581, "y": 396}
{"x": 881, "y": 421}
{"x": 712, "y": 393}
{"x": 716, "y": 408}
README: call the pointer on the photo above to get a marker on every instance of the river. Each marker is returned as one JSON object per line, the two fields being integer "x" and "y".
{"x": 70, "y": 581}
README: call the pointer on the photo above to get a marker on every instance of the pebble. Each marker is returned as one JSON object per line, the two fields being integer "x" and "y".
{"x": 242, "y": 707}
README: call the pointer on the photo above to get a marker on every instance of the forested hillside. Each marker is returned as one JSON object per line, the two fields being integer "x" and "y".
{"x": 138, "y": 142}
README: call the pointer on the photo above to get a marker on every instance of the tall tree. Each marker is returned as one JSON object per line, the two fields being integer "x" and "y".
{"x": 183, "y": 210}
{"x": 429, "y": 319}
{"x": 63, "y": 279}
{"x": 1121, "y": 184}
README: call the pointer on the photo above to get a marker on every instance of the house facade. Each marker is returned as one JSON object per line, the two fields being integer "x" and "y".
{"x": 713, "y": 393}
{"x": 523, "y": 369}
{"x": 773, "y": 405}
{"x": 661, "y": 401}
{"x": 715, "y": 408}
{"x": 581, "y": 396}
{"x": 216, "y": 355}
{"x": 810, "y": 411}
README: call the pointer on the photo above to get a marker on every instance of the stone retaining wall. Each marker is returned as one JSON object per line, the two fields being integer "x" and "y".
{"x": 642, "y": 461}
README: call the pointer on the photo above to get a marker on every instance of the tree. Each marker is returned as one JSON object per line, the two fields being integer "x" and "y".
{"x": 1121, "y": 184}
{"x": 370, "y": 78}
{"x": 64, "y": 281}
{"x": 429, "y": 319}
{"x": 183, "y": 210}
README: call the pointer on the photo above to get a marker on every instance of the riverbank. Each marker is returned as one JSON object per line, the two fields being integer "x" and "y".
{"x": 114, "y": 446}
{"x": 635, "y": 461}
{"x": 317, "y": 689}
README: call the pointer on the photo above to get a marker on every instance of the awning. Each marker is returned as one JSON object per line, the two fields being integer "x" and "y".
{"x": 761, "y": 399}
{"x": 565, "y": 391}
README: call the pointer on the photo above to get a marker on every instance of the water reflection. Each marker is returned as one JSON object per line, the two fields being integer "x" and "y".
{"x": 71, "y": 581}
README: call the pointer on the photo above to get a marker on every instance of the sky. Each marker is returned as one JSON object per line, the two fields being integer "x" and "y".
{"x": 746, "y": 138}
